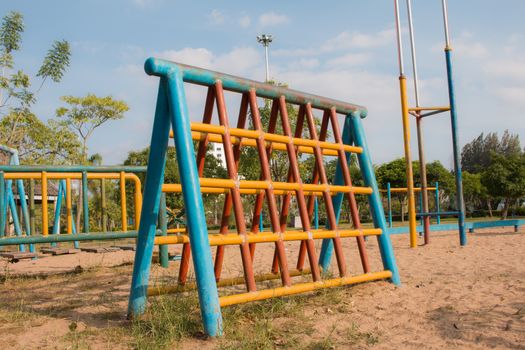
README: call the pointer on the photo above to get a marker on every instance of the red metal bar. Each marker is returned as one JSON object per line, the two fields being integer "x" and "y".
{"x": 219, "y": 257}
{"x": 285, "y": 204}
{"x": 280, "y": 252}
{"x": 201, "y": 157}
{"x": 235, "y": 193}
{"x": 330, "y": 213}
{"x": 354, "y": 211}
{"x": 311, "y": 199}
{"x": 259, "y": 200}
{"x": 299, "y": 194}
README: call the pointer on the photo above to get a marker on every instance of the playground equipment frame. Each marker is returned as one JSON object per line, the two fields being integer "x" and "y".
{"x": 171, "y": 113}
{"x": 419, "y": 113}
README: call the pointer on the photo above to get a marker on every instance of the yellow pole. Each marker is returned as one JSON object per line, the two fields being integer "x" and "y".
{"x": 123, "y": 201}
{"x": 45, "y": 219}
{"x": 69, "y": 214}
{"x": 408, "y": 159}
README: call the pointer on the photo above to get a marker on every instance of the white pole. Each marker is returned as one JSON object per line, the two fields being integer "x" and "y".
{"x": 399, "y": 44}
{"x": 413, "y": 50}
{"x": 445, "y": 22}
{"x": 267, "y": 65}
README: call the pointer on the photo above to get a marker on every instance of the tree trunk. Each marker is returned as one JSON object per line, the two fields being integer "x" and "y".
{"x": 505, "y": 209}
{"x": 489, "y": 205}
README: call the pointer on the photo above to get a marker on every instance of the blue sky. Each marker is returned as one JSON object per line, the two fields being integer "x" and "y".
{"x": 343, "y": 49}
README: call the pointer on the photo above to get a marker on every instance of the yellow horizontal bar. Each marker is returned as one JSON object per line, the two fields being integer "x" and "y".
{"x": 198, "y": 136}
{"x": 266, "y": 237}
{"x": 420, "y": 109}
{"x": 177, "y": 188}
{"x": 262, "y": 185}
{"x": 253, "y": 134}
{"x": 176, "y": 230}
{"x": 159, "y": 290}
{"x": 404, "y": 189}
{"x": 55, "y": 176}
{"x": 301, "y": 288}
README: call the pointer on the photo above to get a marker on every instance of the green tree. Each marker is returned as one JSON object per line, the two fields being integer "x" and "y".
{"x": 476, "y": 155}
{"x": 212, "y": 168}
{"x": 475, "y": 192}
{"x": 85, "y": 114}
{"x": 505, "y": 178}
{"x": 19, "y": 128}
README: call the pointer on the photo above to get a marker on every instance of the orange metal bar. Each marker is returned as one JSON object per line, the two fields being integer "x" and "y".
{"x": 224, "y": 282}
{"x": 301, "y": 288}
{"x": 69, "y": 214}
{"x": 123, "y": 209}
{"x": 267, "y": 237}
{"x": 253, "y": 134}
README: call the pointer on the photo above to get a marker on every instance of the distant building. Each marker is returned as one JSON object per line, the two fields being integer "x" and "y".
{"x": 217, "y": 150}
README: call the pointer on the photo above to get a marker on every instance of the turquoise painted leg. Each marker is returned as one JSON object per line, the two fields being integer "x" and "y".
{"x": 150, "y": 205}
{"x": 163, "y": 224}
{"x": 325, "y": 257}
{"x": 389, "y": 203}
{"x": 198, "y": 231}
{"x": 438, "y": 217}
{"x": 460, "y": 203}
{"x": 23, "y": 201}
{"x": 85, "y": 202}
{"x": 261, "y": 228}
{"x": 73, "y": 225}
{"x": 14, "y": 214}
{"x": 58, "y": 207}
{"x": 378, "y": 215}
{"x": 316, "y": 214}
{"x": 3, "y": 204}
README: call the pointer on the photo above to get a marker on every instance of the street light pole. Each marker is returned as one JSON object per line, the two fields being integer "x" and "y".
{"x": 265, "y": 40}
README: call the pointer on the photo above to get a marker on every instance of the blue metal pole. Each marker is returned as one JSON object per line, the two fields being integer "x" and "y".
{"x": 421, "y": 206}
{"x": 325, "y": 257}
{"x": 73, "y": 225}
{"x": 150, "y": 205}
{"x": 316, "y": 213}
{"x": 163, "y": 225}
{"x": 3, "y": 204}
{"x": 389, "y": 203}
{"x": 261, "y": 228}
{"x": 58, "y": 207}
{"x": 23, "y": 201}
{"x": 438, "y": 217}
{"x": 85, "y": 202}
{"x": 460, "y": 203}
{"x": 189, "y": 176}
{"x": 14, "y": 214}
{"x": 376, "y": 207}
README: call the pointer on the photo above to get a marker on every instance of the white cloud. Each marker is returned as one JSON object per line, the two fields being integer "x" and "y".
{"x": 272, "y": 19}
{"x": 239, "y": 61}
{"x": 199, "y": 57}
{"x": 245, "y": 21}
{"x": 341, "y": 42}
{"x": 306, "y": 63}
{"x": 346, "y": 40}
{"x": 351, "y": 59}
{"x": 216, "y": 17}
{"x": 144, "y": 3}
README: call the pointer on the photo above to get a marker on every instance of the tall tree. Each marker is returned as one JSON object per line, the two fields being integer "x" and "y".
{"x": 17, "y": 124}
{"x": 85, "y": 114}
{"x": 476, "y": 155}
{"x": 505, "y": 178}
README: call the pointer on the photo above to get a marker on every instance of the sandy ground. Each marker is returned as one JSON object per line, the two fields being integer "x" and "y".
{"x": 451, "y": 297}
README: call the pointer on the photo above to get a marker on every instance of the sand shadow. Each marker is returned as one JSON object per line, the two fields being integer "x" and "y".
{"x": 495, "y": 327}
